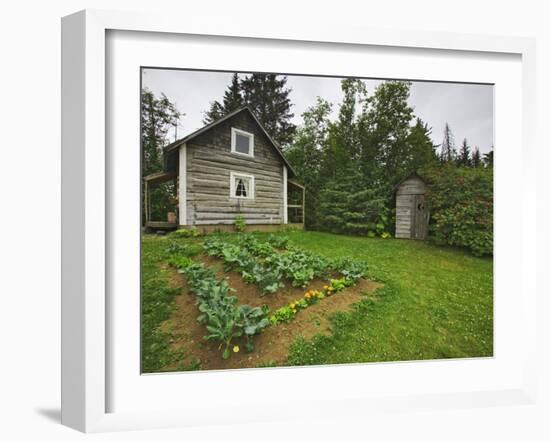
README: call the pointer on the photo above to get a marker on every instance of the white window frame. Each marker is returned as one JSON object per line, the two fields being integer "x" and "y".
{"x": 232, "y": 176}
{"x": 234, "y": 132}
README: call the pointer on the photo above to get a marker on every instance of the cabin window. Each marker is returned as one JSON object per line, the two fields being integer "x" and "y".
{"x": 242, "y": 142}
{"x": 241, "y": 185}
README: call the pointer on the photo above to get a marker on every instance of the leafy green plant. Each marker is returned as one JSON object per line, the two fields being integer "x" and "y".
{"x": 283, "y": 314}
{"x": 183, "y": 249}
{"x": 252, "y": 320}
{"x": 350, "y": 269}
{"x": 185, "y": 233}
{"x": 176, "y": 248}
{"x": 239, "y": 223}
{"x": 340, "y": 284}
{"x": 279, "y": 242}
{"x": 223, "y": 318}
{"x": 180, "y": 262}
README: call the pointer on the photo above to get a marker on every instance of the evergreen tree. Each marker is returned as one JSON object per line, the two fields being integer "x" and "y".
{"x": 347, "y": 206}
{"x": 463, "y": 158}
{"x": 344, "y": 146}
{"x": 232, "y": 100}
{"x": 158, "y": 115}
{"x": 308, "y": 151}
{"x": 448, "y": 150}
{"x": 267, "y": 95}
{"x": 215, "y": 112}
{"x": 488, "y": 158}
{"x": 388, "y": 121}
{"x": 476, "y": 157}
{"x": 421, "y": 149}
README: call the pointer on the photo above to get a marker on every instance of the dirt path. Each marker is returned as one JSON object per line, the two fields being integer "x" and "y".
{"x": 272, "y": 345}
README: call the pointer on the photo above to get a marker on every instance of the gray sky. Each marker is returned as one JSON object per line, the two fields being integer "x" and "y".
{"x": 468, "y": 108}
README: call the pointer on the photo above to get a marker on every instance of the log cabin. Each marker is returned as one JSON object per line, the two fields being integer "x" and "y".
{"x": 229, "y": 168}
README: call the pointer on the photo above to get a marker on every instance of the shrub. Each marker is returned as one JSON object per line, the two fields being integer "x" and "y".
{"x": 348, "y": 205}
{"x": 461, "y": 204}
{"x": 239, "y": 223}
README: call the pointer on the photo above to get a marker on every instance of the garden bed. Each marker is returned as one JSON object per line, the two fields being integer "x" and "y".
{"x": 272, "y": 345}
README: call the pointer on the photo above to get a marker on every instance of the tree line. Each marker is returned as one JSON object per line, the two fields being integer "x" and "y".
{"x": 349, "y": 164}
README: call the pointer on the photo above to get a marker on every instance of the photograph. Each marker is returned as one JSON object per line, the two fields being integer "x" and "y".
{"x": 302, "y": 220}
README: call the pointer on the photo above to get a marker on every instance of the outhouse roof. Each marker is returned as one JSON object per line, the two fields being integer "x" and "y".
{"x": 408, "y": 177}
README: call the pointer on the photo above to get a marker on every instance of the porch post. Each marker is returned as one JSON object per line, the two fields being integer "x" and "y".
{"x": 285, "y": 195}
{"x": 304, "y": 206}
{"x": 146, "y": 202}
{"x": 182, "y": 191}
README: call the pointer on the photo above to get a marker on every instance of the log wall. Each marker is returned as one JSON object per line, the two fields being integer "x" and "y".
{"x": 209, "y": 163}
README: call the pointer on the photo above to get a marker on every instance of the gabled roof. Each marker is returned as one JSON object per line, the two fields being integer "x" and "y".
{"x": 176, "y": 144}
{"x": 409, "y": 176}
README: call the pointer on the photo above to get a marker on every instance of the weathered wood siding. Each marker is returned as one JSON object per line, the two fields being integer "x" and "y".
{"x": 405, "y": 205}
{"x": 209, "y": 163}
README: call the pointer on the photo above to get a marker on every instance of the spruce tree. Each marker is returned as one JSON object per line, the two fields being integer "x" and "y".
{"x": 232, "y": 100}
{"x": 215, "y": 112}
{"x": 476, "y": 157}
{"x": 421, "y": 151}
{"x": 488, "y": 158}
{"x": 448, "y": 150}
{"x": 233, "y": 97}
{"x": 267, "y": 95}
{"x": 388, "y": 121}
{"x": 463, "y": 158}
{"x": 344, "y": 144}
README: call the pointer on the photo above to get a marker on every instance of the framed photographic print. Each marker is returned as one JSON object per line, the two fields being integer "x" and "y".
{"x": 312, "y": 222}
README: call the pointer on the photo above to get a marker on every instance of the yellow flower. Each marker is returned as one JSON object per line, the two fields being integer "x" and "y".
{"x": 325, "y": 287}
{"x": 236, "y": 349}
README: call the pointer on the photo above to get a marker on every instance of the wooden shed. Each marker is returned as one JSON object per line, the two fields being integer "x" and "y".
{"x": 412, "y": 214}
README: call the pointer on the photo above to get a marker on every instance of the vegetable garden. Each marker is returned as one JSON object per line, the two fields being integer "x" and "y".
{"x": 299, "y": 298}
{"x": 268, "y": 264}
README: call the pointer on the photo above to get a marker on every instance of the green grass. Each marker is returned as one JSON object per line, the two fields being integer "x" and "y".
{"x": 157, "y": 303}
{"x": 435, "y": 303}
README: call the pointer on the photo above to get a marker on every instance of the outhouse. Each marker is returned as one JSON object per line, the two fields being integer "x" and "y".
{"x": 412, "y": 214}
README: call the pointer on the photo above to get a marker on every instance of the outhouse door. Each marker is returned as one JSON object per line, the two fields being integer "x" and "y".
{"x": 420, "y": 229}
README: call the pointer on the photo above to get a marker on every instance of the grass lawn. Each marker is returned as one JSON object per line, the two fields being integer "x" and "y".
{"x": 435, "y": 303}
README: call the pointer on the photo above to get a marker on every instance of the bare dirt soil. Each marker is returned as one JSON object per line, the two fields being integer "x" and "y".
{"x": 272, "y": 345}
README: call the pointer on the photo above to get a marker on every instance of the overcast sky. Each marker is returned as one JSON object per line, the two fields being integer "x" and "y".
{"x": 468, "y": 108}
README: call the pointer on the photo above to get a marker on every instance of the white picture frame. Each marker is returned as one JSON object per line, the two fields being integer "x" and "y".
{"x": 87, "y": 210}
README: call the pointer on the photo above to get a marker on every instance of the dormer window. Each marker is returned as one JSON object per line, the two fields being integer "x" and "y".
{"x": 242, "y": 142}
